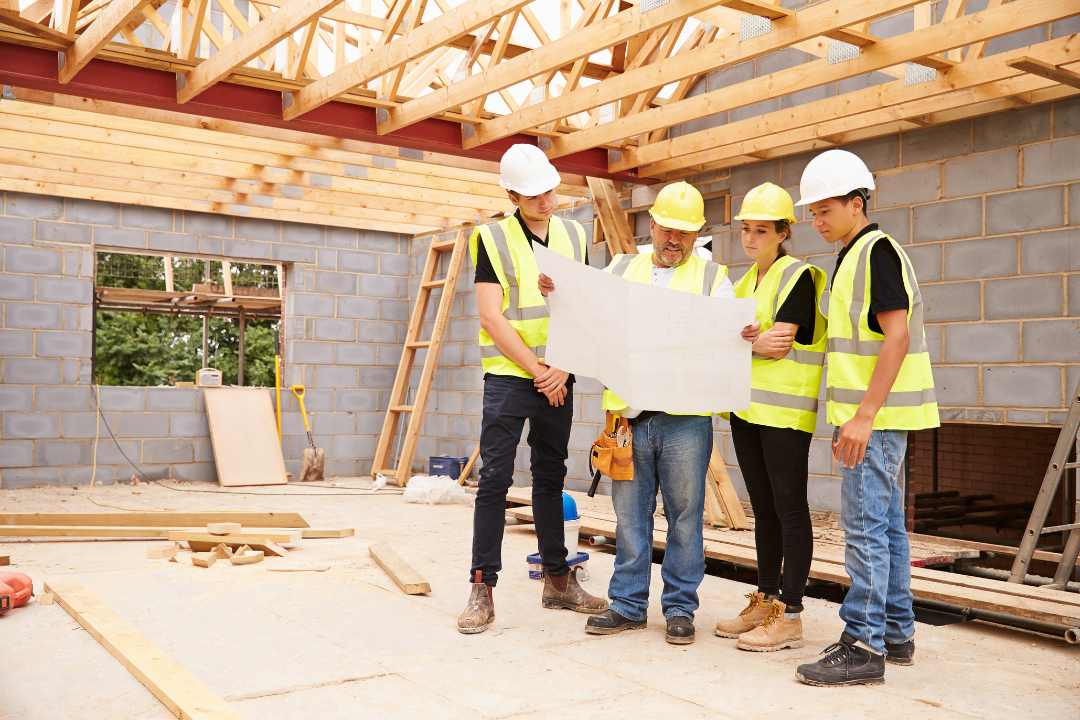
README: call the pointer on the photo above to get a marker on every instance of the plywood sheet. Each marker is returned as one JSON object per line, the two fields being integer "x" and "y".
{"x": 244, "y": 434}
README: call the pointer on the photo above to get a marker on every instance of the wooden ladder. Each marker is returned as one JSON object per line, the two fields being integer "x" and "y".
{"x": 399, "y": 395}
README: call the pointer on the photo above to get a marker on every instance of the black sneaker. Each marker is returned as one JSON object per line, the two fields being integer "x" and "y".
{"x": 900, "y": 653}
{"x": 610, "y": 622}
{"x": 845, "y": 663}
{"x": 680, "y": 630}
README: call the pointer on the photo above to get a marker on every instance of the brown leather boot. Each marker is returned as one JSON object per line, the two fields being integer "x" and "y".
{"x": 564, "y": 592}
{"x": 774, "y": 633}
{"x": 752, "y": 616}
{"x": 480, "y": 612}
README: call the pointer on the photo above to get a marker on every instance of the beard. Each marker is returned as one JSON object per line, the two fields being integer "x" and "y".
{"x": 683, "y": 256}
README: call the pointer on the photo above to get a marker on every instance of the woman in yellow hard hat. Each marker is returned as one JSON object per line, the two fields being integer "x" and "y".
{"x": 772, "y": 439}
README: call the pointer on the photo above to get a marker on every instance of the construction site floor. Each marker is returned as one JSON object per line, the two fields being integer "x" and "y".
{"x": 347, "y": 643}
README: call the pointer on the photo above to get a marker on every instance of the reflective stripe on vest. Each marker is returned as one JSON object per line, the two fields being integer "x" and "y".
{"x": 784, "y": 391}
{"x": 853, "y": 347}
{"x": 638, "y": 268}
{"x": 506, "y": 240}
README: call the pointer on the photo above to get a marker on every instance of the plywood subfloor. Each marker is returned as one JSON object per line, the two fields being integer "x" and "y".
{"x": 348, "y": 643}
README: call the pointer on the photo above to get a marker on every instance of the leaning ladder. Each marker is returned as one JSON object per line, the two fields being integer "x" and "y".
{"x": 1051, "y": 480}
{"x": 399, "y": 395}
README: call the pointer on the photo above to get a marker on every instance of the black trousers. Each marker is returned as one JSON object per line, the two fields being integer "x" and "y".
{"x": 508, "y": 403}
{"x": 775, "y": 468}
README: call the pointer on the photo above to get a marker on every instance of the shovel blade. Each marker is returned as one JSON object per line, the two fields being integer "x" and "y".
{"x": 312, "y": 468}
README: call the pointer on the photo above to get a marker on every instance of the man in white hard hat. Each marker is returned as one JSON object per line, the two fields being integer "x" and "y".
{"x": 520, "y": 386}
{"x": 879, "y": 387}
{"x": 671, "y": 451}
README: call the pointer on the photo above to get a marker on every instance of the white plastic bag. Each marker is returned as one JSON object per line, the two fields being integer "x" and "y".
{"x": 379, "y": 483}
{"x": 436, "y": 490}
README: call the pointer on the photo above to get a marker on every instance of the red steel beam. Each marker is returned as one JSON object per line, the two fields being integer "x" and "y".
{"x": 37, "y": 69}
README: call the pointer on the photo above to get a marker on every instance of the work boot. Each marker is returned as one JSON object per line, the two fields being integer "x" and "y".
{"x": 900, "y": 653}
{"x": 610, "y": 622}
{"x": 564, "y": 592}
{"x": 845, "y": 663}
{"x": 480, "y": 612}
{"x": 680, "y": 630}
{"x": 774, "y": 633}
{"x": 753, "y": 615}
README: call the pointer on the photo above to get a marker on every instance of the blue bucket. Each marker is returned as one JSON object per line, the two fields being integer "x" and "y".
{"x": 446, "y": 465}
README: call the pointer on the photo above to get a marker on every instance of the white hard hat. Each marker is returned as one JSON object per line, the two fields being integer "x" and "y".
{"x": 526, "y": 170}
{"x": 834, "y": 173}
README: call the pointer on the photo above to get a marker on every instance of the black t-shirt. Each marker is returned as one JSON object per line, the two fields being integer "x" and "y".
{"x": 484, "y": 270}
{"x": 799, "y": 308}
{"x": 886, "y": 278}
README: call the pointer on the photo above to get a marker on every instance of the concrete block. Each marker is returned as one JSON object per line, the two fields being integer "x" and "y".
{"x": 294, "y": 253}
{"x": 951, "y": 301}
{"x": 248, "y": 248}
{"x": 1052, "y": 162}
{"x": 393, "y": 264}
{"x": 1017, "y": 40}
{"x": 11, "y": 478}
{"x": 379, "y": 378}
{"x": 353, "y": 401}
{"x": 327, "y": 329}
{"x": 355, "y": 354}
{"x": 330, "y": 377}
{"x": 204, "y": 448}
{"x": 335, "y": 283}
{"x": 461, "y": 378}
{"x": 67, "y": 398}
{"x": 1052, "y": 341}
{"x": 339, "y": 237}
{"x": 142, "y": 425}
{"x": 878, "y": 153}
{"x": 982, "y": 173}
{"x": 312, "y": 305}
{"x": 1009, "y": 129}
{"x": 32, "y": 371}
{"x": 195, "y": 472}
{"x": 1066, "y": 116}
{"x": 307, "y": 352}
{"x": 65, "y": 290}
{"x": 38, "y": 261}
{"x": 1031, "y": 417}
{"x": 926, "y": 259}
{"x": 303, "y": 233}
{"x": 211, "y": 245}
{"x": 1034, "y": 209}
{"x": 1074, "y": 295}
{"x": 257, "y": 229}
{"x": 350, "y": 447}
{"x": 29, "y": 426}
{"x": 948, "y": 220}
{"x": 399, "y": 309}
{"x": 16, "y": 453}
{"x": 17, "y": 230}
{"x": 463, "y": 330}
{"x": 122, "y": 399}
{"x": 952, "y": 414}
{"x": 16, "y": 398}
{"x": 16, "y": 342}
{"x": 334, "y": 423}
{"x": 362, "y": 308}
{"x": 85, "y": 424}
{"x": 172, "y": 242}
{"x": 147, "y": 218}
{"x": 746, "y": 177}
{"x": 208, "y": 224}
{"x": 436, "y": 425}
{"x": 61, "y": 452}
{"x": 985, "y": 415}
{"x": 982, "y": 342}
{"x": 188, "y": 425}
{"x": 933, "y": 334}
{"x": 449, "y": 403}
{"x": 52, "y": 231}
{"x": 326, "y": 259}
{"x": 907, "y": 186}
{"x": 171, "y": 399}
{"x": 44, "y": 207}
{"x": 379, "y": 286}
{"x": 119, "y": 237}
{"x": 1021, "y": 386}
{"x": 369, "y": 423}
{"x": 981, "y": 258}
{"x": 17, "y": 287}
{"x": 93, "y": 212}
{"x": 63, "y": 344}
{"x": 752, "y": 111}
{"x": 1030, "y": 297}
{"x": 935, "y": 143}
{"x": 461, "y": 428}
{"x": 957, "y": 385}
{"x": 380, "y": 241}
{"x": 1050, "y": 252}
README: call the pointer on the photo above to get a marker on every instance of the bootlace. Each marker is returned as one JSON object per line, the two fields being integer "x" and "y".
{"x": 835, "y": 653}
{"x": 754, "y": 602}
{"x": 771, "y": 618}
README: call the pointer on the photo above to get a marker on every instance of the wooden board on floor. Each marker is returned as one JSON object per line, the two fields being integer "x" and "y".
{"x": 91, "y": 531}
{"x": 410, "y": 581}
{"x": 5, "y": 559}
{"x": 207, "y": 542}
{"x": 181, "y": 692}
{"x": 725, "y": 492}
{"x": 243, "y": 431}
{"x": 158, "y": 519}
{"x": 286, "y": 537}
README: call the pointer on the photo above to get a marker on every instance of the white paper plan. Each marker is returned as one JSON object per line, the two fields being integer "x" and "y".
{"x": 657, "y": 349}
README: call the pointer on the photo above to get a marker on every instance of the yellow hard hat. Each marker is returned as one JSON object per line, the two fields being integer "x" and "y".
{"x": 679, "y": 206}
{"x": 767, "y": 202}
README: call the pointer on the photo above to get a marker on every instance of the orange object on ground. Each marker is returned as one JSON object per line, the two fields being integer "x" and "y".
{"x": 15, "y": 589}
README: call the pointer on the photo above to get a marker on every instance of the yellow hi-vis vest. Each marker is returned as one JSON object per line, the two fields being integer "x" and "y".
{"x": 696, "y": 275}
{"x": 514, "y": 263}
{"x": 853, "y": 347}
{"x": 784, "y": 392}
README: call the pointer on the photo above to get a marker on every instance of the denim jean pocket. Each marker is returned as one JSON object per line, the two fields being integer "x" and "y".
{"x": 894, "y": 447}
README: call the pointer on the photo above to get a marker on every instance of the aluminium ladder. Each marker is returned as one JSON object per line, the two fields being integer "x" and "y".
{"x": 1056, "y": 470}
{"x": 399, "y": 394}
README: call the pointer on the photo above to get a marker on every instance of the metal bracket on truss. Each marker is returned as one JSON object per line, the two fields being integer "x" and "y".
{"x": 607, "y": 114}
{"x": 647, "y": 5}
{"x": 383, "y": 162}
{"x": 467, "y": 130}
{"x": 404, "y": 22}
{"x": 753, "y": 26}
{"x": 614, "y": 156}
{"x": 410, "y": 154}
{"x": 915, "y": 74}
{"x": 381, "y": 115}
{"x": 842, "y": 52}
{"x": 459, "y": 75}
{"x": 544, "y": 143}
{"x": 8, "y": 94}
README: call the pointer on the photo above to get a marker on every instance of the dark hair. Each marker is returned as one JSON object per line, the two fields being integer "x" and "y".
{"x": 846, "y": 199}
{"x": 783, "y": 226}
{"x": 515, "y": 194}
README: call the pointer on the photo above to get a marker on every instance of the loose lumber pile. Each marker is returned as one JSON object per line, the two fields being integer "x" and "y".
{"x": 175, "y": 526}
{"x": 1059, "y": 608}
{"x": 410, "y": 581}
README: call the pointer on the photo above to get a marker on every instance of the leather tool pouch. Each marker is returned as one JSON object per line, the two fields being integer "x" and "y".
{"x": 610, "y": 459}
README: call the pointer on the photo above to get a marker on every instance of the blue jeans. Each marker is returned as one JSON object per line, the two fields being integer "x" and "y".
{"x": 671, "y": 453}
{"x": 877, "y": 608}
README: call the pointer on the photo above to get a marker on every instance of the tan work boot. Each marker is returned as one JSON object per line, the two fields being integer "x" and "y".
{"x": 754, "y": 614}
{"x": 774, "y": 633}
{"x": 480, "y": 612}
{"x": 564, "y": 592}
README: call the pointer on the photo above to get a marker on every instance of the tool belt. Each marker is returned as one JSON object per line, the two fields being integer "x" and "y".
{"x": 613, "y": 452}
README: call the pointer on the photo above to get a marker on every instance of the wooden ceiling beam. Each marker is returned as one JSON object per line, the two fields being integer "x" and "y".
{"x": 118, "y": 14}
{"x": 1046, "y": 70}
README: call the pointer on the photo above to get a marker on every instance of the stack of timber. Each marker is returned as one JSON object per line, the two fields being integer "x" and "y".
{"x": 283, "y": 527}
{"x": 597, "y": 517}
